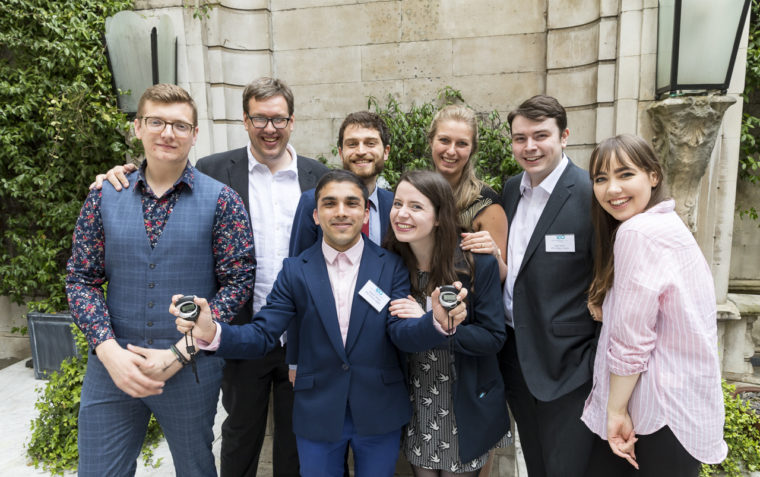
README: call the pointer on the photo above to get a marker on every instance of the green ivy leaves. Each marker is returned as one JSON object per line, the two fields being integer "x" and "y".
{"x": 59, "y": 126}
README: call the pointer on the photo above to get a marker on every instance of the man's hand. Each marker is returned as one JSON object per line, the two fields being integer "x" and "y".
{"x": 621, "y": 437}
{"x": 292, "y": 376}
{"x": 450, "y": 320}
{"x": 159, "y": 364}
{"x": 406, "y": 308}
{"x": 204, "y": 328}
{"x": 126, "y": 370}
{"x": 117, "y": 176}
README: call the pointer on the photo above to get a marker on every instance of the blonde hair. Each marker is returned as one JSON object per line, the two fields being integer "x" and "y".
{"x": 468, "y": 188}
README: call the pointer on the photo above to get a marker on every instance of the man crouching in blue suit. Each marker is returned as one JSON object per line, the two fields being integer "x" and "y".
{"x": 349, "y": 389}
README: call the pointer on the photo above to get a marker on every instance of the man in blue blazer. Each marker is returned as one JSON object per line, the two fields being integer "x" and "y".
{"x": 350, "y": 385}
{"x": 548, "y": 357}
{"x": 363, "y": 146}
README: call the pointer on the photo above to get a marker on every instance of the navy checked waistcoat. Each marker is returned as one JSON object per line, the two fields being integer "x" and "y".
{"x": 142, "y": 280}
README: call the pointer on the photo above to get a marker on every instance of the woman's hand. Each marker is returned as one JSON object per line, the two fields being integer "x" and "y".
{"x": 621, "y": 437}
{"x": 450, "y": 320}
{"x": 406, "y": 308}
{"x": 480, "y": 242}
{"x": 117, "y": 176}
{"x": 204, "y": 328}
{"x": 595, "y": 311}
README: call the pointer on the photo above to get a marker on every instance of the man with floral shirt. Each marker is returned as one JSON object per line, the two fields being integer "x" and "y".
{"x": 176, "y": 231}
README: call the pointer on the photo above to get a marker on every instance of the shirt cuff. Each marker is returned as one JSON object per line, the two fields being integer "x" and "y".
{"x": 214, "y": 344}
{"x": 440, "y": 328}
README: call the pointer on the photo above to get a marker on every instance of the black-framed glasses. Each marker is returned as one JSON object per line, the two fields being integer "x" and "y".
{"x": 261, "y": 121}
{"x": 157, "y": 125}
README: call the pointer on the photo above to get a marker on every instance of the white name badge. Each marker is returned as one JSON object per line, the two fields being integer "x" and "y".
{"x": 374, "y": 295}
{"x": 560, "y": 243}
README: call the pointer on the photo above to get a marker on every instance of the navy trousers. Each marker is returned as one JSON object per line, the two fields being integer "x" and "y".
{"x": 112, "y": 424}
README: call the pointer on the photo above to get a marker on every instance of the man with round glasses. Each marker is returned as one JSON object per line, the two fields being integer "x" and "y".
{"x": 269, "y": 176}
{"x": 174, "y": 231}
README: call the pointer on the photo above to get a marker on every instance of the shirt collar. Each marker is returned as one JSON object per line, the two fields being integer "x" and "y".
{"x": 663, "y": 207}
{"x": 187, "y": 177}
{"x": 292, "y": 166}
{"x": 354, "y": 254}
{"x": 373, "y": 198}
{"x": 549, "y": 182}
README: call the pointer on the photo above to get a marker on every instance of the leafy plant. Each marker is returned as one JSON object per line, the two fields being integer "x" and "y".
{"x": 749, "y": 155}
{"x": 53, "y": 443}
{"x": 741, "y": 433}
{"x": 60, "y": 126}
{"x": 409, "y": 144}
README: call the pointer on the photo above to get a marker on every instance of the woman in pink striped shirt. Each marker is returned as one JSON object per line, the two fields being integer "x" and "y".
{"x": 656, "y": 403}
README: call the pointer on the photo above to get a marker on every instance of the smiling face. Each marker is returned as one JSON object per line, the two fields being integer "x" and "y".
{"x": 624, "y": 190}
{"x": 341, "y": 212}
{"x": 268, "y": 143}
{"x": 413, "y": 216}
{"x": 362, "y": 152}
{"x": 451, "y": 147}
{"x": 537, "y": 146}
{"x": 166, "y": 145}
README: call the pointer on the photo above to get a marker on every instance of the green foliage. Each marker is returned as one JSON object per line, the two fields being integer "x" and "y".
{"x": 201, "y": 8}
{"x": 60, "y": 126}
{"x": 749, "y": 156}
{"x": 409, "y": 144}
{"x": 742, "y": 435}
{"x": 53, "y": 444}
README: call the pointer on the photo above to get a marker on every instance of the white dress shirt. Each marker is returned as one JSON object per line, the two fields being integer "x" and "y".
{"x": 529, "y": 210}
{"x": 273, "y": 199}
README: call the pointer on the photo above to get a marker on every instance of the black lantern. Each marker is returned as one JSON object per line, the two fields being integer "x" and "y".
{"x": 139, "y": 56}
{"x": 697, "y": 41}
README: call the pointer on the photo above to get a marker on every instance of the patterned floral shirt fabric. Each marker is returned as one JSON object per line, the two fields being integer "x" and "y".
{"x": 232, "y": 247}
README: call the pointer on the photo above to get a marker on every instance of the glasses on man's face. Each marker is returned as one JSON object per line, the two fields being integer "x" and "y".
{"x": 157, "y": 125}
{"x": 260, "y": 122}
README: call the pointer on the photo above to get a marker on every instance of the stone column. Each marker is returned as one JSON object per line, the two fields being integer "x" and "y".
{"x": 685, "y": 132}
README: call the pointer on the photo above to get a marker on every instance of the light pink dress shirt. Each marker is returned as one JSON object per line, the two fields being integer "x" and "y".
{"x": 660, "y": 321}
{"x": 343, "y": 269}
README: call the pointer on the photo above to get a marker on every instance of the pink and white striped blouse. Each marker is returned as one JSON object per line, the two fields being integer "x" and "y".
{"x": 660, "y": 321}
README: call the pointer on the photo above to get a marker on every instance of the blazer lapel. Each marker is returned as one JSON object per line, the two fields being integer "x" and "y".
{"x": 238, "y": 176}
{"x": 315, "y": 272}
{"x": 371, "y": 266}
{"x": 562, "y": 191}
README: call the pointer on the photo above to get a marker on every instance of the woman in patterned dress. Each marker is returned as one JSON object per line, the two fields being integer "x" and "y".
{"x": 453, "y": 140}
{"x": 458, "y": 401}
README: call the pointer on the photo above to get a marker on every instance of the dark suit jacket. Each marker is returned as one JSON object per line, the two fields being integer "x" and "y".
{"x": 231, "y": 168}
{"x": 480, "y": 405}
{"x": 366, "y": 374}
{"x": 555, "y": 335}
{"x": 306, "y": 233}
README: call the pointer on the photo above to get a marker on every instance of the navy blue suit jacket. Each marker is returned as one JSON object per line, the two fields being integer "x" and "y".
{"x": 555, "y": 335}
{"x": 367, "y": 374}
{"x": 306, "y": 233}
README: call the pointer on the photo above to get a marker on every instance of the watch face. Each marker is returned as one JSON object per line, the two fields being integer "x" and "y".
{"x": 187, "y": 307}
{"x": 448, "y": 299}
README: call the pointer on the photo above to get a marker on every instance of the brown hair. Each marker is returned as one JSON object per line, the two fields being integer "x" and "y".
{"x": 468, "y": 187}
{"x": 165, "y": 93}
{"x": 448, "y": 257}
{"x": 265, "y": 88}
{"x": 539, "y": 108}
{"x": 340, "y": 175}
{"x": 630, "y": 151}
{"x": 369, "y": 120}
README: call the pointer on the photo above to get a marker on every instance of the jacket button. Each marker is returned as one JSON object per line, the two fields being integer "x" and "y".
{"x": 150, "y": 342}
{"x": 151, "y": 285}
{"x": 150, "y": 323}
{"x": 345, "y": 367}
{"x": 152, "y": 266}
{"x": 150, "y": 304}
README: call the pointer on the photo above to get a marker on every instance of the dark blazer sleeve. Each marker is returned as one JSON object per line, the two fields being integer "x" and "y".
{"x": 410, "y": 335}
{"x": 304, "y": 232}
{"x": 255, "y": 339}
{"x": 483, "y": 332}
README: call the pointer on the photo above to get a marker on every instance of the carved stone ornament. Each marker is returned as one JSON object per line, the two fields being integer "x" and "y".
{"x": 685, "y": 132}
